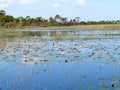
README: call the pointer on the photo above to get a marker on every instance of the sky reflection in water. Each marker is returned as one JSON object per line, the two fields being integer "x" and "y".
{"x": 60, "y": 60}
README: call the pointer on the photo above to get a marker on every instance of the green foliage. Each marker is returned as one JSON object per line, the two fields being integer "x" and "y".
{"x": 2, "y": 13}
{"x": 8, "y": 18}
{"x": 2, "y": 20}
{"x": 10, "y": 21}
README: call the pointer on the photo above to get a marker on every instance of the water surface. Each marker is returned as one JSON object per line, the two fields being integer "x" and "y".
{"x": 60, "y": 60}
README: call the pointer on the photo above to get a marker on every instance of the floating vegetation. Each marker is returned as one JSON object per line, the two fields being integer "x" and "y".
{"x": 80, "y": 85}
{"x": 104, "y": 86}
{"x": 115, "y": 79}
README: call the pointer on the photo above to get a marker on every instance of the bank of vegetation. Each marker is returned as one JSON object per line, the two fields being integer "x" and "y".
{"x": 10, "y": 22}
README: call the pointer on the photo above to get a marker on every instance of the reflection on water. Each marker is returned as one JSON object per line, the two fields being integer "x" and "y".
{"x": 60, "y": 60}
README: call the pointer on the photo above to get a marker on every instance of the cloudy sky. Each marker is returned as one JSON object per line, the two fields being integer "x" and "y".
{"x": 85, "y": 9}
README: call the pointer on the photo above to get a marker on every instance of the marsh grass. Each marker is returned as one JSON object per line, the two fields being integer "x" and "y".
{"x": 102, "y": 26}
{"x": 92, "y": 27}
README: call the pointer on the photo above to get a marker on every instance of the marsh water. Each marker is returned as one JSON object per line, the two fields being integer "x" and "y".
{"x": 60, "y": 60}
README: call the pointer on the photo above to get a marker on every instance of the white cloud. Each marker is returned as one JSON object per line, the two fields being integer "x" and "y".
{"x": 4, "y": 0}
{"x": 29, "y": 1}
{"x": 56, "y": 5}
{"x": 5, "y": 3}
{"x": 59, "y": 3}
{"x": 80, "y": 3}
{"x": 2, "y": 5}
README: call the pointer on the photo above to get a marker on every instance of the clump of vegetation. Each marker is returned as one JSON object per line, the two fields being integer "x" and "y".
{"x": 8, "y": 21}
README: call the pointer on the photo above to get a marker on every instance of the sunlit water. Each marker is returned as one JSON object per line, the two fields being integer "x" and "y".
{"x": 60, "y": 60}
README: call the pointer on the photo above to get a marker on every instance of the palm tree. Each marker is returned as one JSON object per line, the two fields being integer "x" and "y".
{"x": 77, "y": 20}
{"x": 57, "y": 19}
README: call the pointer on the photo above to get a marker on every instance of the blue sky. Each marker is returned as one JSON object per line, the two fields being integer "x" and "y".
{"x": 85, "y": 9}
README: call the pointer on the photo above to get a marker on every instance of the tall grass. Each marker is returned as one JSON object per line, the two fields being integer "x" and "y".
{"x": 98, "y": 26}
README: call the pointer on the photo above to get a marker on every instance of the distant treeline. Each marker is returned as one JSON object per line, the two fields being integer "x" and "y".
{"x": 8, "y": 21}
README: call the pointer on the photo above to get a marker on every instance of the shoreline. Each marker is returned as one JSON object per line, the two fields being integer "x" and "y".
{"x": 82, "y": 27}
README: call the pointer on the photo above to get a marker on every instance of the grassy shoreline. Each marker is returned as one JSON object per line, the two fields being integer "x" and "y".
{"x": 90, "y": 27}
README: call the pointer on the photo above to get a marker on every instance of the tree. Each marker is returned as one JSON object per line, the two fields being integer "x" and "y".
{"x": 9, "y": 21}
{"x": 22, "y": 21}
{"x": 32, "y": 20}
{"x": 45, "y": 23}
{"x": 2, "y": 16}
{"x": 57, "y": 19}
{"x": 83, "y": 23}
{"x": 52, "y": 21}
{"x": 64, "y": 21}
{"x": 2, "y": 12}
{"x": 2, "y": 20}
{"x": 72, "y": 22}
{"x": 118, "y": 21}
{"x": 39, "y": 21}
{"x": 9, "y": 18}
{"x": 102, "y": 22}
{"x": 27, "y": 18}
{"x": 77, "y": 20}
